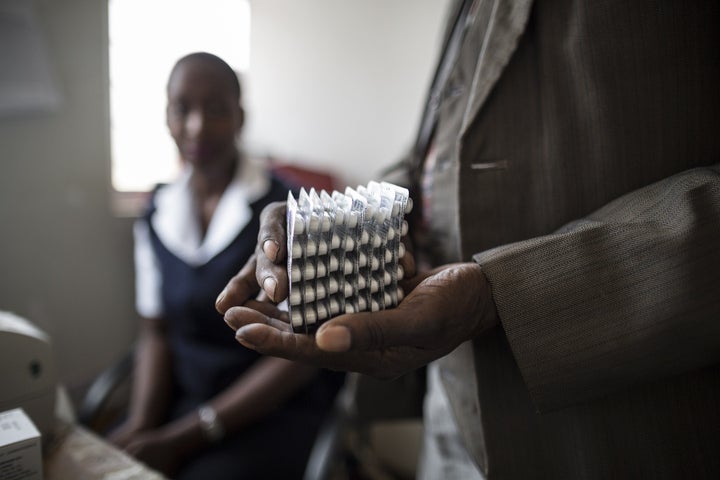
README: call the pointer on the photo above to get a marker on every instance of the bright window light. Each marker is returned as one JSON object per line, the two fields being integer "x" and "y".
{"x": 146, "y": 38}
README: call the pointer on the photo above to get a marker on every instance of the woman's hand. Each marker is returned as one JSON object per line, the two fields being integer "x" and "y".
{"x": 124, "y": 434}
{"x": 156, "y": 449}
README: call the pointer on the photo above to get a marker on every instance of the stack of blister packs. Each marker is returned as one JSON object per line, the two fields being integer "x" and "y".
{"x": 343, "y": 252}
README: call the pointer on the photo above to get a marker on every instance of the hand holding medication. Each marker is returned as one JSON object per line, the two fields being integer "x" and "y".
{"x": 442, "y": 309}
{"x": 331, "y": 254}
{"x": 344, "y": 251}
{"x": 265, "y": 273}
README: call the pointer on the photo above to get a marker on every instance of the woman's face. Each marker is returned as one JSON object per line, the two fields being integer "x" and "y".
{"x": 203, "y": 113}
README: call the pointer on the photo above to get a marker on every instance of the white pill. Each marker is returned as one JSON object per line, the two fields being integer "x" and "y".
{"x": 311, "y": 248}
{"x": 409, "y": 205}
{"x": 295, "y": 298}
{"x": 362, "y": 260}
{"x": 309, "y": 271}
{"x": 348, "y": 267}
{"x": 381, "y": 214}
{"x": 295, "y": 273}
{"x": 339, "y": 217}
{"x": 387, "y": 298}
{"x": 333, "y": 264}
{"x": 299, "y": 227}
{"x": 391, "y": 233}
{"x": 349, "y": 244}
{"x": 296, "y": 317}
{"x": 309, "y": 294}
{"x": 374, "y": 306}
{"x": 401, "y": 250}
{"x": 361, "y": 282}
{"x": 388, "y": 255}
{"x": 310, "y": 316}
{"x": 362, "y": 304}
{"x": 400, "y": 272}
{"x": 400, "y": 294}
{"x": 374, "y": 264}
{"x": 352, "y": 219}
{"x": 333, "y": 286}
{"x": 349, "y": 308}
{"x": 321, "y": 270}
{"x": 314, "y": 224}
{"x": 322, "y": 311}
{"x": 377, "y": 241}
{"x": 374, "y": 285}
{"x": 326, "y": 222}
{"x": 296, "y": 249}
{"x": 322, "y": 247}
{"x": 347, "y": 290}
{"x": 335, "y": 241}
{"x": 387, "y": 279}
{"x": 404, "y": 229}
{"x": 334, "y": 306}
{"x": 364, "y": 238}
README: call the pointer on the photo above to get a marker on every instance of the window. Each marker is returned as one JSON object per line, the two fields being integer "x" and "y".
{"x": 146, "y": 38}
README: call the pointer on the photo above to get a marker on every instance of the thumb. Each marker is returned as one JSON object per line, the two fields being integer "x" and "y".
{"x": 436, "y": 313}
{"x": 364, "y": 331}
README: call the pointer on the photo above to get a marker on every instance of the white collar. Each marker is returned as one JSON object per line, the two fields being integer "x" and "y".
{"x": 177, "y": 224}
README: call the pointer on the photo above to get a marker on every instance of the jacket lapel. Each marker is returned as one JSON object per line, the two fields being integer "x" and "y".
{"x": 504, "y": 22}
{"x": 503, "y": 29}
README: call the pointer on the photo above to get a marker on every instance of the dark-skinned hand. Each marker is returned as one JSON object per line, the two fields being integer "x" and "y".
{"x": 442, "y": 309}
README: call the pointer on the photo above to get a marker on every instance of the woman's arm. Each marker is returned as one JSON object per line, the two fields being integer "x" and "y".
{"x": 258, "y": 392}
{"x": 151, "y": 382}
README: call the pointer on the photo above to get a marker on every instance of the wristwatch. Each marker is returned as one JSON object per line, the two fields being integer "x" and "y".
{"x": 210, "y": 424}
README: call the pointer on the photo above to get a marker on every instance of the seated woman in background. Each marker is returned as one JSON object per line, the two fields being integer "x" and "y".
{"x": 201, "y": 407}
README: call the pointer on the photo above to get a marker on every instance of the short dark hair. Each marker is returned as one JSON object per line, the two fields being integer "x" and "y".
{"x": 209, "y": 57}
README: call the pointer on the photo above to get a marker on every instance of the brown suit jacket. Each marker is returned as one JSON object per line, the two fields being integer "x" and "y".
{"x": 577, "y": 146}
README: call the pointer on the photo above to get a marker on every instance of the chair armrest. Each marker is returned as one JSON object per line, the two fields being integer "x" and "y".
{"x": 100, "y": 390}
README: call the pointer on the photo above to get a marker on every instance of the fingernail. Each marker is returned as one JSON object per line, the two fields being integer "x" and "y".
{"x": 269, "y": 285}
{"x": 220, "y": 297}
{"x": 270, "y": 247}
{"x": 231, "y": 322}
{"x": 243, "y": 341}
{"x": 334, "y": 339}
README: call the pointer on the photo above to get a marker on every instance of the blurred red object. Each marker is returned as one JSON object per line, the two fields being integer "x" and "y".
{"x": 304, "y": 177}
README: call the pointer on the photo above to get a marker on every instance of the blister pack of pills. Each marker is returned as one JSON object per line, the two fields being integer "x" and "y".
{"x": 344, "y": 251}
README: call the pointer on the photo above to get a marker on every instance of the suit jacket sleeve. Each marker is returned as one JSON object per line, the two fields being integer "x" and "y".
{"x": 629, "y": 294}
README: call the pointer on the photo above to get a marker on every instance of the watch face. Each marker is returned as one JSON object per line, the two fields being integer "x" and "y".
{"x": 210, "y": 424}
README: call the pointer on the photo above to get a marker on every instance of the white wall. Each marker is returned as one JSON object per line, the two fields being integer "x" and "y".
{"x": 339, "y": 84}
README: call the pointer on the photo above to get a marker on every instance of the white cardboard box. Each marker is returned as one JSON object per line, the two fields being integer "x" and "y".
{"x": 20, "y": 447}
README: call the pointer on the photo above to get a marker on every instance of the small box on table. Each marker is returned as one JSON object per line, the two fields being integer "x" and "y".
{"x": 20, "y": 447}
